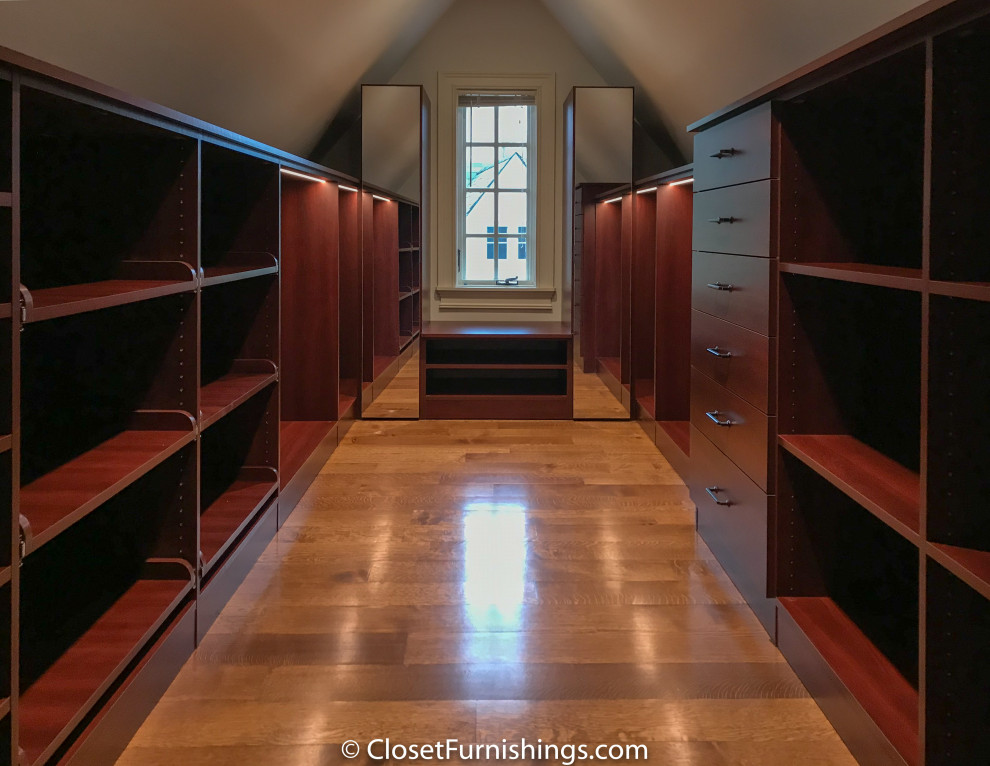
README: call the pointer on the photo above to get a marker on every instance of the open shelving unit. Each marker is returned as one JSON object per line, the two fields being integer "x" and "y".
{"x": 661, "y": 310}
{"x": 501, "y": 370}
{"x": 393, "y": 306}
{"x": 239, "y": 459}
{"x": 240, "y": 216}
{"x": 610, "y": 352}
{"x": 850, "y": 360}
{"x": 852, "y": 189}
{"x": 850, "y": 583}
{"x": 130, "y": 574}
{"x": 141, "y": 308}
{"x": 123, "y": 237}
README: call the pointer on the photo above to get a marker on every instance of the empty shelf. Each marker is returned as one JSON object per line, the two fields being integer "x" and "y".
{"x": 884, "y": 487}
{"x": 226, "y": 517}
{"x": 60, "y": 698}
{"x": 226, "y": 394}
{"x": 886, "y": 696}
{"x": 57, "y": 500}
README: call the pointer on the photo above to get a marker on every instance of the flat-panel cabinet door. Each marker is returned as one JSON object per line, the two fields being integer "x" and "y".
{"x": 734, "y": 288}
{"x": 735, "y": 151}
{"x": 735, "y": 220}
{"x": 732, "y": 519}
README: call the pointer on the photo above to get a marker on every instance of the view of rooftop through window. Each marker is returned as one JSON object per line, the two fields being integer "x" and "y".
{"x": 497, "y": 179}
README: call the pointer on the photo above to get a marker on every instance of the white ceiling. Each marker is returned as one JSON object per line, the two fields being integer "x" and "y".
{"x": 279, "y": 71}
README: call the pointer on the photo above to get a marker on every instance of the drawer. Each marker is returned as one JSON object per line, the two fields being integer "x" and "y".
{"x": 734, "y": 357}
{"x": 734, "y": 288}
{"x": 733, "y": 521}
{"x": 736, "y": 427}
{"x": 735, "y": 151}
{"x": 735, "y": 220}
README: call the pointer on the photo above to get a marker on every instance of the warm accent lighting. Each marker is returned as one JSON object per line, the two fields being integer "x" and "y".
{"x": 682, "y": 182}
{"x": 346, "y": 188}
{"x": 379, "y": 197}
{"x": 647, "y": 191}
{"x": 297, "y": 174}
{"x": 614, "y": 199}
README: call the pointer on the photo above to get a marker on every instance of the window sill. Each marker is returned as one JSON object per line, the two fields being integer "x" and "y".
{"x": 496, "y": 298}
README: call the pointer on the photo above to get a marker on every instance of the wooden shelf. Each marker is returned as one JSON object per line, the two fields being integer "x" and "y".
{"x": 971, "y": 566}
{"x": 55, "y": 703}
{"x": 6, "y": 312}
{"x": 4, "y": 707}
{"x": 896, "y": 277}
{"x": 6, "y": 199}
{"x": 6, "y": 441}
{"x": 222, "y": 396}
{"x": 226, "y": 517}
{"x": 54, "y": 302}
{"x": 238, "y": 266}
{"x": 974, "y": 291}
{"x": 4, "y": 576}
{"x": 885, "y": 488}
{"x": 54, "y": 502}
{"x": 886, "y": 696}
{"x": 408, "y": 249}
{"x": 298, "y": 440}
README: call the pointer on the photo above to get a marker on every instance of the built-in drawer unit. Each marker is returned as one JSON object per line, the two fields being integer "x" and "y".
{"x": 735, "y": 151}
{"x": 735, "y": 220}
{"x": 737, "y": 428}
{"x": 734, "y": 357}
{"x": 734, "y": 288}
{"x": 732, "y": 520}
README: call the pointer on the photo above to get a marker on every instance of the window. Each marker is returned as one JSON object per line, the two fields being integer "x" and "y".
{"x": 496, "y": 195}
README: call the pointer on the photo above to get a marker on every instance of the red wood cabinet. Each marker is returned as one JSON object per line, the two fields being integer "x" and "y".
{"x": 863, "y": 337}
{"x": 170, "y": 340}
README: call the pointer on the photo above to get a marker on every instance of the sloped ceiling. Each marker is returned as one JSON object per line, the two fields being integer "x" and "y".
{"x": 273, "y": 70}
{"x": 279, "y": 71}
{"x": 690, "y": 58}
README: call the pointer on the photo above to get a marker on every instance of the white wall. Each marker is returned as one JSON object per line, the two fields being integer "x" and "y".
{"x": 488, "y": 37}
{"x": 689, "y": 58}
{"x": 275, "y": 71}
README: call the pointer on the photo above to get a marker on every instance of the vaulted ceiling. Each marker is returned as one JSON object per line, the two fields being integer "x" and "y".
{"x": 280, "y": 71}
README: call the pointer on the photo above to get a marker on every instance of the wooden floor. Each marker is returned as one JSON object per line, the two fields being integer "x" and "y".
{"x": 481, "y": 581}
{"x": 593, "y": 400}
{"x": 400, "y": 399}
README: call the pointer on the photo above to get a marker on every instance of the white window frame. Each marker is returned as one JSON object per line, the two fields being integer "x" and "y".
{"x": 532, "y": 194}
{"x": 451, "y": 293}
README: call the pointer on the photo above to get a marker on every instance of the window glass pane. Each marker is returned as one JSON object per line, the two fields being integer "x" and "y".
{"x": 477, "y": 263}
{"x": 512, "y": 209}
{"x": 480, "y": 165}
{"x": 513, "y": 124}
{"x": 512, "y": 167}
{"x": 481, "y": 124}
{"x": 479, "y": 212}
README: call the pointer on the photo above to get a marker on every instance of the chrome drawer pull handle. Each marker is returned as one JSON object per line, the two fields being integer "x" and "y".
{"x": 721, "y": 286}
{"x": 723, "y": 153}
{"x": 715, "y": 417}
{"x": 723, "y": 219}
{"x": 716, "y": 351}
{"x": 713, "y": 494}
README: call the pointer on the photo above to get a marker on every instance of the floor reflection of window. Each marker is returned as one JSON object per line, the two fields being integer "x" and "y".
{"x": 494, "y": 564}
